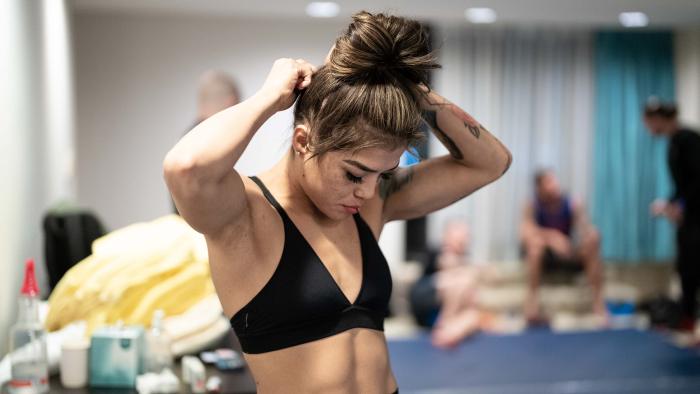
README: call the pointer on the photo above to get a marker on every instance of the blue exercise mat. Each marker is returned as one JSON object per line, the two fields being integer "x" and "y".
{"x": 542, "y": 362}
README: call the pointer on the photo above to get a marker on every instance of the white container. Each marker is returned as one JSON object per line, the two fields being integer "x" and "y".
{"x": 194, "y": 374}
{"x": 74, "y": 363}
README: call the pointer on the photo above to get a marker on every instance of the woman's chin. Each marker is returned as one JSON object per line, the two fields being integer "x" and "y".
{"x": 338, "y": 214}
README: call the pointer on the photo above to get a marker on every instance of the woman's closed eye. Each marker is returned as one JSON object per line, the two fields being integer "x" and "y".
{"x": 358, "y": 179}
{"x": 352, "y": 178}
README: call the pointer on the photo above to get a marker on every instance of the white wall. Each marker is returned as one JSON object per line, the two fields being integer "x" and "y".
{"x": 687, "y": 53}
{"x": 136, "y": 79}
{"x": 58, "y": 99}
{"x": 136, "y": 91}
{"x": 36, "y": 136}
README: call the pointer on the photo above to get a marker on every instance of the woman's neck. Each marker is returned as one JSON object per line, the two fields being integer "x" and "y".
{"x": 286, "y": 176}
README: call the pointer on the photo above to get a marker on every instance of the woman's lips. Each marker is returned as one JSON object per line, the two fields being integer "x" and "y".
{"x": 351, "y": 208}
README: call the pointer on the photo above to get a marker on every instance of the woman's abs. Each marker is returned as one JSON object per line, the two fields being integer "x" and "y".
{"x": 353, "y": 361}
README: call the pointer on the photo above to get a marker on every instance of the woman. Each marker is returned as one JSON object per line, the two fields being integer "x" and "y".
{"x": 293, "y": 252}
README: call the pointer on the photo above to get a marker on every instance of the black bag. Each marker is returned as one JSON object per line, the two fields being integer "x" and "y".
{"x": 68, "y": 238}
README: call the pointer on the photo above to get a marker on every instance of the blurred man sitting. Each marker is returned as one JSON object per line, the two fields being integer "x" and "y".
{"x": 445, "y": 297}
{"x": 556, "y": 234}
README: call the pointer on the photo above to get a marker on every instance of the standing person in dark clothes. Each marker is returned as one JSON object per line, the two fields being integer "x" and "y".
{"x": 683, "y": 208}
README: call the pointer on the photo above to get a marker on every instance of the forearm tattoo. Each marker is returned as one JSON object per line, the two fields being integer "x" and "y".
{"x": 430, "y": 117}
{"x": 387, "y": 187}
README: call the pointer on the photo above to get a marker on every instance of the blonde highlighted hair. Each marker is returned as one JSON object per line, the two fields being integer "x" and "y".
{"x": 367, "y": 95}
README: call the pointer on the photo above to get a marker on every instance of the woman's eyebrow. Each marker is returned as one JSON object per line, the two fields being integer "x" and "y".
{"x": 365, "y": 168}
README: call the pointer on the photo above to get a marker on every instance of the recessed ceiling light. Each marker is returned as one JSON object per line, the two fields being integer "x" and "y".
{"x": 633, "y": 19}
{"x": 480, "y": 15}
{"x": 322, "y": 9}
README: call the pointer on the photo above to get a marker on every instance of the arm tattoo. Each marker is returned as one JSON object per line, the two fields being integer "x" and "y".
{"x": 387, "y": 187}
{"x": 469, "y": 122}
{"x": 430, "y": 117}
{"x": 476, "y": 131}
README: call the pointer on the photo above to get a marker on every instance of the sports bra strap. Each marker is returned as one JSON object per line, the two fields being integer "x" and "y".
{"x": 267, "y": 194}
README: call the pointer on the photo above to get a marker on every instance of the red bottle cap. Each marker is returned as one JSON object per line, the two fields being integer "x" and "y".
{"x": 30, "y": 288}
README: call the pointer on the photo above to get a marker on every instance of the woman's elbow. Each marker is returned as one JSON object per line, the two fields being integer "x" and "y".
{"x": 177, "y": 168}
{"x": 506, "y": 162}
{"x": 501, "y": 165}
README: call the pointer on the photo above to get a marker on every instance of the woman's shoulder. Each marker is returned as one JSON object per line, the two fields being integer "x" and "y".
{"x": 262, "y": 205}
{"x": 259, "y": 223}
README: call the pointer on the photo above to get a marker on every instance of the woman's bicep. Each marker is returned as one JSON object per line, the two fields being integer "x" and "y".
{"x": 209, "y": 206}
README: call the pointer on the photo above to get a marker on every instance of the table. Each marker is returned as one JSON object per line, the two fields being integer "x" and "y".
{"x": 234, "y": 382}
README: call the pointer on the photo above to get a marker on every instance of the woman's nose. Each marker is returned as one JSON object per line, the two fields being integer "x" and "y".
{"x": 365, "y": 190}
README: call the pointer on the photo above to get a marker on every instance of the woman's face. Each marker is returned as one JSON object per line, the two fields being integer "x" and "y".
{"x": 339, "y": 183}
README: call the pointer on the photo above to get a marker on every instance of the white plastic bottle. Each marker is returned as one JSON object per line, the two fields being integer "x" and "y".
{"x": 28, "y": 357}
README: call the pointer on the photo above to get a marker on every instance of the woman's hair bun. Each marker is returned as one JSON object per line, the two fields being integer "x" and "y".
{"x": 380, "y": 48}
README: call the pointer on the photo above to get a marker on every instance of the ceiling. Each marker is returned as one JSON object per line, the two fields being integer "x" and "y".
{"x": 580, "y": 13}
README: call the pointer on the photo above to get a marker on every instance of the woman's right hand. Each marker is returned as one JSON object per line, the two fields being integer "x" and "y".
{"x": 285, "y": 77}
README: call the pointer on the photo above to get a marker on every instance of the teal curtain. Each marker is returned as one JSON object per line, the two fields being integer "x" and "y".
{"x": 630, "y": 167}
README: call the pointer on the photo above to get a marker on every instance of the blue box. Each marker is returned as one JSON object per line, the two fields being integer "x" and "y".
{"x": 116, "y": 356}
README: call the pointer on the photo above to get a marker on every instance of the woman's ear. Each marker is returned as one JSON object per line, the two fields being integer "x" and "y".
{"x": 300, "y": 139}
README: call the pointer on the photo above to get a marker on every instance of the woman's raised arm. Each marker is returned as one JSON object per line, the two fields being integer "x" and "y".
{"x": 207, "y": 191}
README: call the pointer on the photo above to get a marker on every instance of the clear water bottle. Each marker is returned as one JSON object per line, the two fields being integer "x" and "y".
{"x": 28, "y": 357}
{"x": 159, "y": 355}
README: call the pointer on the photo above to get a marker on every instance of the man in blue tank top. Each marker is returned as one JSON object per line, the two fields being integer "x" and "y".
{"x": 556, "y": 234}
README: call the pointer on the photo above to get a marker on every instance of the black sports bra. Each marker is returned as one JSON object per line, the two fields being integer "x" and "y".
{"x": 302, "y": 302}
